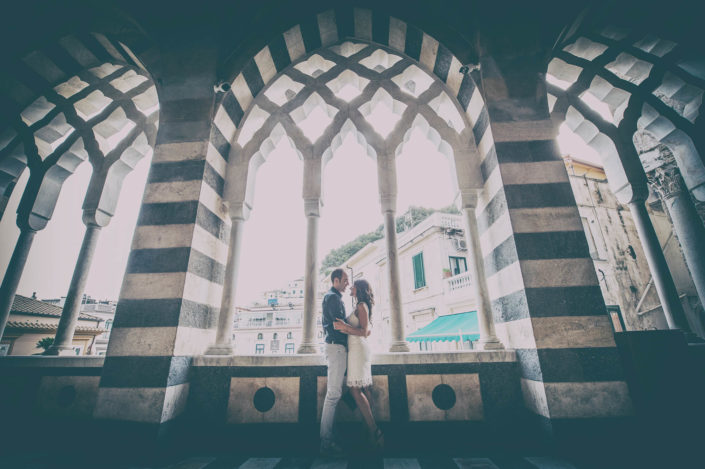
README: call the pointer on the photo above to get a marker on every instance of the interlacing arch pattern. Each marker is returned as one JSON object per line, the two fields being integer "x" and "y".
{"x": 389, "y": 47}
{"x": 643, "y": 84}
{"x": 338, "y": 90}
{"x": 85, "y": 98}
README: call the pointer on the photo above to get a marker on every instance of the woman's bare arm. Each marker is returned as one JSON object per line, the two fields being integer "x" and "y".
{"x": 362, "y": 316}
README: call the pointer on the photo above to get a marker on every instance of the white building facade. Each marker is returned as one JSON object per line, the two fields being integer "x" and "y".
{"x": 434, "y": 279}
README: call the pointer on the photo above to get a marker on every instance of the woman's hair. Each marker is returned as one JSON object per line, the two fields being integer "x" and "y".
{"x": 364, "y": 294}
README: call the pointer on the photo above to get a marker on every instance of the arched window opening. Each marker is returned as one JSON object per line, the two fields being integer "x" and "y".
{"x": 611, "y": 169}
{"x": 350, "y": 110}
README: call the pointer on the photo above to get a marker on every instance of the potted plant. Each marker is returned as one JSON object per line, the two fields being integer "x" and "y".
{"x": 45, "y": 343}
{"x": 447, "y": 273}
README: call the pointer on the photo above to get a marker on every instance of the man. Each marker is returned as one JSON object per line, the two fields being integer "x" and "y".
{"x": 336, "y": 357}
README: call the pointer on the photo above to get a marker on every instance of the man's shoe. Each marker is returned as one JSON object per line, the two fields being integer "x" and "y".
{"x": 332, "y": 450}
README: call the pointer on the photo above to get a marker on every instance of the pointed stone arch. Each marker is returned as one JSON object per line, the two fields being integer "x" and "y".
{"x": 331, "y": 27}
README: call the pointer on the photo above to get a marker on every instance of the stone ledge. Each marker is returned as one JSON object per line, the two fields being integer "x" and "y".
{"x": 490, "y": 356}
{"x": 259, "y": 360}
{"x": 42, "y": 361}
{"x": 474, "y": 356}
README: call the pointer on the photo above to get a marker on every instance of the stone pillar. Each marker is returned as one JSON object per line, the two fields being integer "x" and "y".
{"x": 223, "y": 339}
{"x": 396, "y": 315}
{"x": 690, "y": 231}
{"x": 666, "y": 289}
{"x": 488, "y": 338}
{"x": 69, "y": 316}
{"x": 545, "y": 295}
{"x": 167, "y": 312}
{"x": 312, "y": 208}
{"x": 13, "y": 275}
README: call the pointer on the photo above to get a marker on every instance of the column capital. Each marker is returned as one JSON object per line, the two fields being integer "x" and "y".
{"x": 468, "y": 198}
{"x": 312, "y": 207}
{"x": 667, "y": 181}
{"x": 388, "y": 202}
{"x": 239, "y": 211}
{"x": 96, "y": 217}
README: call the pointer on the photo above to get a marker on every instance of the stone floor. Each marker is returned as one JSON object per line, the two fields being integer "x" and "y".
{"x": 47, "y": 461}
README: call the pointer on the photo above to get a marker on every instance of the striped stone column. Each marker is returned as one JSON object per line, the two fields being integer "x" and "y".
{"x": 172, "y": 287}
{"x": 545, "y": 295}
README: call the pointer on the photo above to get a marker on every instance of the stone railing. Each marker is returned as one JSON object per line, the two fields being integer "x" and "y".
{"x": 446, "y": 220}
{"x": 458, "y": 284}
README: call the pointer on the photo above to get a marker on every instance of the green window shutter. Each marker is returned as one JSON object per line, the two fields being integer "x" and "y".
{"x": 419, "y": 275}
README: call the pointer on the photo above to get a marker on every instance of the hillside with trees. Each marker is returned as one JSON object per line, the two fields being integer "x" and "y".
{"x": 412, "y": 217}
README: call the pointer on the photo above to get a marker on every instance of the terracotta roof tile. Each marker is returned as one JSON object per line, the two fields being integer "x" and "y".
{"x": 40, "y": 326}
{"x": 30, "y": 306}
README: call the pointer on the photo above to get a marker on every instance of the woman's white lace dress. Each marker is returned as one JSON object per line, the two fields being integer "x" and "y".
{"x": 359, "y": 357}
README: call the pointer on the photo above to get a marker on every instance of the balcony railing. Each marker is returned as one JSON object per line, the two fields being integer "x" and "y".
{"x": 457, "y": 285}
{"x": 450, "y": 221}
{"x": 277, "y": 322}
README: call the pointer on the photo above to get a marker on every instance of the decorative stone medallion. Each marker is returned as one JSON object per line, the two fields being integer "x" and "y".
{"x": 68, "y": 396}
{"x": 444, "y": 397}
{"x": 263, "y": 400}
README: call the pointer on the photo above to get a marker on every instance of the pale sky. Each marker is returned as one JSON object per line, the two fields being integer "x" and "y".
{"x": 275, "y": 233}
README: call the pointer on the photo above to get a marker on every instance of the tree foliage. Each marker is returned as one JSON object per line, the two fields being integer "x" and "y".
{"x": 45, "y": 343}
{"x": 408, "y": 220}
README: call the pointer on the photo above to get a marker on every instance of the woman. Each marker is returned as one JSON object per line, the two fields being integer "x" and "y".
{"x": 357, "y": 326}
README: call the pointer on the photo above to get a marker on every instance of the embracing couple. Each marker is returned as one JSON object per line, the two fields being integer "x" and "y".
{"x": 347, "y": 348}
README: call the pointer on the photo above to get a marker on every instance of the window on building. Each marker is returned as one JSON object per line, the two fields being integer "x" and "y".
{"x": 458, "y": 265}
{"x": 419, "y": 275}
{"x": 289, "y": 347}
{"x": 108, "y": 324}
{"x": 260, "y": 336}
{"x": 320, "y": 334}
{"x": 259, "y": 349}
{"x": 275, "y": 336}
{"x": 288, "y": 335}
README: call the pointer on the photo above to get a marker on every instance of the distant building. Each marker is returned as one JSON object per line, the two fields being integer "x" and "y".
{"x": 270, "y": 330}
{"x": 620, "y": 264}
{"x": 274, "y": 327}
{"x": 32, "y": 320}
{"x": 102, "y": 309}
{"x": 105, "y": 310}
{"x": 434, "y": 280}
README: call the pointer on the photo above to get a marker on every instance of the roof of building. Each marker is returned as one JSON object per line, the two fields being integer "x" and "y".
{"x": 32, "y": 307}
{"x": 45, "y": 326}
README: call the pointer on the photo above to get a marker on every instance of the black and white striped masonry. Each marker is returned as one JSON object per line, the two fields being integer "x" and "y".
{"x": 172, "y": 286}
{"x": 546, "y": 298}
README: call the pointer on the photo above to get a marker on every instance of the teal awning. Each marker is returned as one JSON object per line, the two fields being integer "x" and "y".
{"x": 449, "y": 327}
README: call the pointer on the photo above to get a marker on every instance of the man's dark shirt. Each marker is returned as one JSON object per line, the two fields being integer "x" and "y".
{"x": 333, "y": 308}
